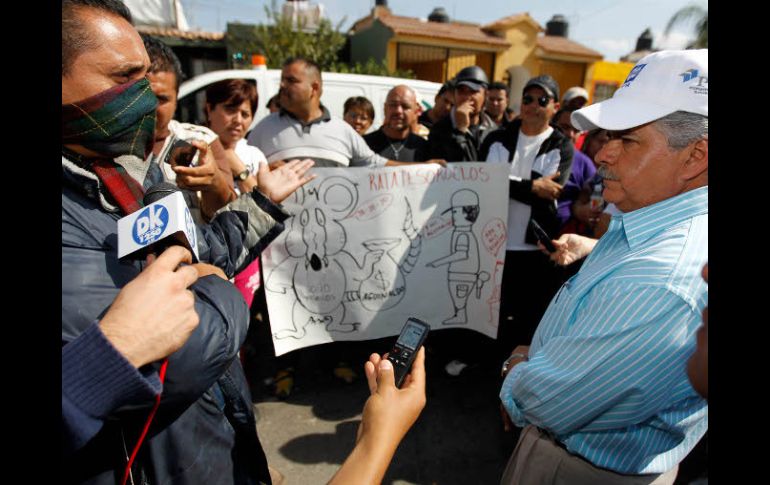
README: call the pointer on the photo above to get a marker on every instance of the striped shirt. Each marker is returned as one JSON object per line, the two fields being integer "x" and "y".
{"x": 607, "y": 368}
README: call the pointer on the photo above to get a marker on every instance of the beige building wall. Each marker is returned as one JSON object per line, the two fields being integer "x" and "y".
{"x": 523, "y": 39}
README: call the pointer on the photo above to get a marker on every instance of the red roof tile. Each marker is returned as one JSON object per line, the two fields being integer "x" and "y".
{"x": 460, "y": 31}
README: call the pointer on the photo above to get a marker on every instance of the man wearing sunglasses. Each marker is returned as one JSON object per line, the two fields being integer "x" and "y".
{"x": 540, "y": 159}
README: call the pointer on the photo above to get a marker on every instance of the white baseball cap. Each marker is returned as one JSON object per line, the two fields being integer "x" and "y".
{"x": 658, "y": 85}
{"x": 575, "y": 92}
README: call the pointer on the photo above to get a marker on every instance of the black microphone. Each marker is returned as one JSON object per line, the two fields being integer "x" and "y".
{"x": 164, "y": 221}
{"x": 158, "y": 191}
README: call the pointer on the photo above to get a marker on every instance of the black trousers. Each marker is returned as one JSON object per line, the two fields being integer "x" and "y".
{"x": 530, "y": 280}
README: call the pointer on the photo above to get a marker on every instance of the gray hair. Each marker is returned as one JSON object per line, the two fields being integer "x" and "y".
{"x": 682, "y": 128}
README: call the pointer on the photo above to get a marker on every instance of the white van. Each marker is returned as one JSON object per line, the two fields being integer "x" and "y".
{"x": 337, "y": 88}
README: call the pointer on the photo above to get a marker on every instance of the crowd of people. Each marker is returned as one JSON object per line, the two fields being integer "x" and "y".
{"x": 597, "y": 339}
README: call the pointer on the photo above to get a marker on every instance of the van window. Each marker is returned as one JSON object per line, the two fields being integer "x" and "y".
{"x": 192, "y": 108}
{"x": 335, "y": 94}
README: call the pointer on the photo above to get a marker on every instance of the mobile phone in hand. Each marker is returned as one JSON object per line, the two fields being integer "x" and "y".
{"x": 182, "y": 153}
{"x": 542, "y": 236}
{"x": 404, "y": 351}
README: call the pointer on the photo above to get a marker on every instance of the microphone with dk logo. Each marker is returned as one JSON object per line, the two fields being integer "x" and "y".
{"x": 164, "y": 221}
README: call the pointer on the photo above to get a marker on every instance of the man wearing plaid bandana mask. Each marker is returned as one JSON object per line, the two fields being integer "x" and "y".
{"x": 204, "y": 429}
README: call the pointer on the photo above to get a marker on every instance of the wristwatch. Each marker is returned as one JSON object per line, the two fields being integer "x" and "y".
{"x": 241, "y": 176}
{"x": 507, "y": 364}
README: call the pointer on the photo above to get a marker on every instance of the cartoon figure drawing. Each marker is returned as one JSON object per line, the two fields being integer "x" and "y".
{"x": 463, "y": 260}
{"x": 325, "y": 276}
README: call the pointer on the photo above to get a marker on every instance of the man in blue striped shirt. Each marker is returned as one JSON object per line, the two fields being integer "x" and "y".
{"x": 602, "y": 391}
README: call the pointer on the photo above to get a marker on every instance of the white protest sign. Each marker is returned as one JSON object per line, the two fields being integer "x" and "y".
{"x": 367, "y": 248}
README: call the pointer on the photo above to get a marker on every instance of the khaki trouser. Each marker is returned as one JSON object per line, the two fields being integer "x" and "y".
{"x": 537, "y": 460}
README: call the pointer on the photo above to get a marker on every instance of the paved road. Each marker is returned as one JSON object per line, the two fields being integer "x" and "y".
{"x": 458, "y": 438}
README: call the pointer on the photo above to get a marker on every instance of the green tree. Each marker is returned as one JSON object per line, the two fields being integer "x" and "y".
{"x": 688, "y": 14}
{"x": 281, "y": 39}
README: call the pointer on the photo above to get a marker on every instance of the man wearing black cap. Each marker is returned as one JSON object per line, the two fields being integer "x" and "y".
{"x": 458, "y": 137}
{"x": 540, "y": 159}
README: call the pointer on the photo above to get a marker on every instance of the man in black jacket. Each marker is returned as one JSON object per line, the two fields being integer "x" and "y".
{"x": 458, "y": 137}
{"x": 540, "y": 159}
{"x": 204, "y": 429}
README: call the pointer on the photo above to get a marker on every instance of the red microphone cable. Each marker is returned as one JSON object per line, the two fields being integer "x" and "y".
{"x": 162, "y": 376}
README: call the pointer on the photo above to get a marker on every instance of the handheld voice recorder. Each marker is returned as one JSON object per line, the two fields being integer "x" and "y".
{"x": 405, "y": 349}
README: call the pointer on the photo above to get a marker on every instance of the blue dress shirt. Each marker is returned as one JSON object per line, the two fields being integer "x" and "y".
{"x": 607, "y": 368}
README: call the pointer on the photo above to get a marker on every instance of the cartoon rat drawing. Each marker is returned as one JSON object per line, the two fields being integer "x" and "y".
{"x": 325, "y": 276}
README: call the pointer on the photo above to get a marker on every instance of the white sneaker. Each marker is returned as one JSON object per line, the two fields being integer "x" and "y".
{"x": 455, "y": 367}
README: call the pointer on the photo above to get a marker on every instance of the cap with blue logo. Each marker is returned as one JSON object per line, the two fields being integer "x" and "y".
{"x": 658, "y": 85}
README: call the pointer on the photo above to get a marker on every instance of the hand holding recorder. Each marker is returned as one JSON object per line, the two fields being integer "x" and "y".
{"x": 388, "y": 414}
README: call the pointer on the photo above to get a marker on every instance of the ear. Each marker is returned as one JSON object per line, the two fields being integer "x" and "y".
{"x": 697, "y": 162}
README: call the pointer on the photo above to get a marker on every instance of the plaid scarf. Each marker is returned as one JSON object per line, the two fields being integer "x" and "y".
{"x": 115, "y": 122}
{"x": 119, "y": 184}
{"x": 122, "y": 188}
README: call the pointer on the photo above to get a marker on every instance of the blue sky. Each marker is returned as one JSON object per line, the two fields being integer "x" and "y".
{"x": 608, "y": 26}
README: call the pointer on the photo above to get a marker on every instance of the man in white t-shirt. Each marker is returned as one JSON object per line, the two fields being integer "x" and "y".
{"x": 540, "y": 159}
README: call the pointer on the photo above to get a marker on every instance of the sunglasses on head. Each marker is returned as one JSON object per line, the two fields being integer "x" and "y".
{"x": 542, "y": 100}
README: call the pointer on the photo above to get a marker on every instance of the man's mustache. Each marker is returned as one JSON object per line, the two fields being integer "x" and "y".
{"x": 605, "y": 173}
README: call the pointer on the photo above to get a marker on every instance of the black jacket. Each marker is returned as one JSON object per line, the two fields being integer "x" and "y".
{"x": 204, "y": 430}
{"x": 447, "y": 142}
{"x": 556, "y": 145}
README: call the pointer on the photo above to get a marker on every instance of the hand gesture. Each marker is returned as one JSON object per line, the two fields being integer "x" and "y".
{"x": 570, "y": 248}
{"x": 463, "y": 113}
{"x": 154, "y": 314}
{"x": 546, "y": 187}
{"x": 281, "y": 182}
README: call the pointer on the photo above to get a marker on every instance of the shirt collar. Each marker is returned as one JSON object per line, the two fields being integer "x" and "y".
{"x": 642, "y": 224}
{"x": 325, "y": 116}
{"x": 389, "y": 139}
{"x": 85, "y": 181}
